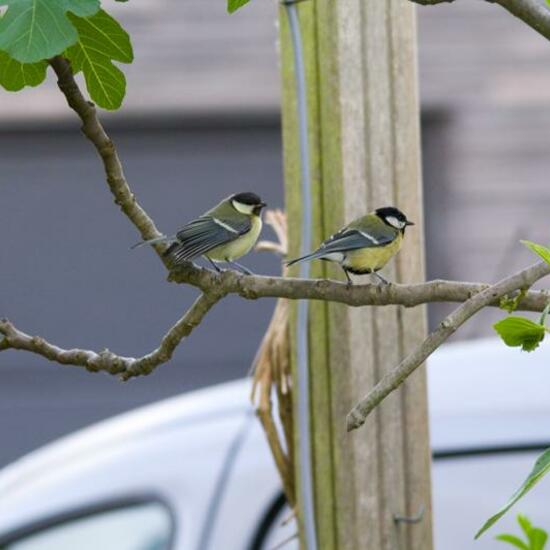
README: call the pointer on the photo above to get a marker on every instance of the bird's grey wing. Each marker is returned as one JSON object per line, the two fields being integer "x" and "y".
{"x": 335, "y": 247}
{"x": 352, "y": 239}
{"x": 202, "y": 235}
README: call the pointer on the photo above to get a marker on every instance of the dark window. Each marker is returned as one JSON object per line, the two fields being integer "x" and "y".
{"x": 145, "y": 526}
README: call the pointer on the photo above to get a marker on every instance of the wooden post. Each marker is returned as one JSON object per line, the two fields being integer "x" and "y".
{"x": 364, "y": 139}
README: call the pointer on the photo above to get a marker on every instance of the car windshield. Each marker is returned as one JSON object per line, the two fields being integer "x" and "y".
{"x": 136, "y": 527}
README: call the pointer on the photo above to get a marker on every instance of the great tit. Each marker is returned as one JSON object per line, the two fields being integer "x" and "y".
{"x": 223, "y": 234}
{"x": 366, "y": 245}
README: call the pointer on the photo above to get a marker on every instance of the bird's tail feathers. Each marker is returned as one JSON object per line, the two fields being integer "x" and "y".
{"x": 157, "y": 240}
{"x": 313, "y": 256}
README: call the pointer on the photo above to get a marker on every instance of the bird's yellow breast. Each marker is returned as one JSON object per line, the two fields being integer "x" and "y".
{"x": 240, "y": 246}
{"x": 367, "y": 260}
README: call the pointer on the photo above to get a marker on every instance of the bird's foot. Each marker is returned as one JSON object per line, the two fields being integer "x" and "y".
{"x": 349, "y": 280}
{"x": 239, "y": 267}
{"x": 214, "y": 265}
{"x": 382, "y": 280}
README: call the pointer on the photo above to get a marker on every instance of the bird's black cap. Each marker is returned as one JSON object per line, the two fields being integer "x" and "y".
{"x": 248, "y": 198}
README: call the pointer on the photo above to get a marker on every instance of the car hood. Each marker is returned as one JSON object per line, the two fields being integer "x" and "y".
{"x": 206, "y": 405}
{"x": 481, "y": 394}
{"x": 484, "y": 394}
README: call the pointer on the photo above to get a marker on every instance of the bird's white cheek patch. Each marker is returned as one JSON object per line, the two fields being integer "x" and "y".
{"x": 398, "y": 224}
{"x": 243, "y": 208}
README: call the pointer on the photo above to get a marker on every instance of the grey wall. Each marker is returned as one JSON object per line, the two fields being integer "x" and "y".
{"x": 485, "y": 188}
{"x": 67, "y": 272}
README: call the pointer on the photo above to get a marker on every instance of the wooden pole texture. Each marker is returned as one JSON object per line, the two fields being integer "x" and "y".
{"x": 365, "y": 153}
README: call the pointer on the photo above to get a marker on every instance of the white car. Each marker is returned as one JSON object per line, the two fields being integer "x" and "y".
{"x": 194, "y": 472}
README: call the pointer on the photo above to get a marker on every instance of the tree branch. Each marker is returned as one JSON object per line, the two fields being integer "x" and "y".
{"x": 530, "y": 12}
{"x": 392, "y": 380}
{"x": 432, "y": 2}
{"x": 216, "y": 286}
{"x": 94, "y": 131}
{"x": 257, "y": 286}
{"x": 213, "y": 285}
{"x": 125, "y": 367}
{"x": 231, "y": 282}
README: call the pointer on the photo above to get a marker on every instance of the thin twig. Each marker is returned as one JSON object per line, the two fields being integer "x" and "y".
{"x": 94, "y": 131}
{"x": 392, "y": 380}
{"x": 125, "y": 367}
{"x": 531, "y": 12}
{"x": 432, "y": 2}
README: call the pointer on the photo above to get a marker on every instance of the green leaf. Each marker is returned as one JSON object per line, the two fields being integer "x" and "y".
{"x": 101, "y": 40}
{"x": 540, "y": 469}
{"x": 525, "y": 524}
{"x": 538, "y": 538}
{"x": 513, "y": 540}
{"x": 15, "y": 75}
{"x": 519, "y": 331}
{"x": 542, "y": 251}
{"x": 34, "y": 30}
{"x": 234, "y": 5}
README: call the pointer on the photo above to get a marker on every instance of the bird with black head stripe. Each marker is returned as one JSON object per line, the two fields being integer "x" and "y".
{"x": 222, "y": 234}
{"x": 365, "y": 245}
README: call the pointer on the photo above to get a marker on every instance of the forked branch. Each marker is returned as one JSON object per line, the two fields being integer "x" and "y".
{"x": 215, "y": 286}
{"x": 107, "y": 361}
{"x": 245, "y": 286}
{"x": 390, "y": 382}
{"x": 94, "y": 131}
{"x": 407, "y": 295}
{"x": 531, "y": 12}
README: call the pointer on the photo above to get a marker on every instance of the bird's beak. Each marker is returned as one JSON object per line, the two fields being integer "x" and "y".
{"x": 262, "y": 204}
{"x": 409, "y": 223}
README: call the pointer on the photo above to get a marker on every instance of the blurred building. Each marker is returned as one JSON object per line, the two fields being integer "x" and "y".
{"x": 201, "y": 119}
{"x": 486, "y": 112}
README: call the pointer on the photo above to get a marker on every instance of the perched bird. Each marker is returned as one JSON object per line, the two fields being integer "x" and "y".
{"x": 223, "y": 234}
{"x": 366, "y": 245}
